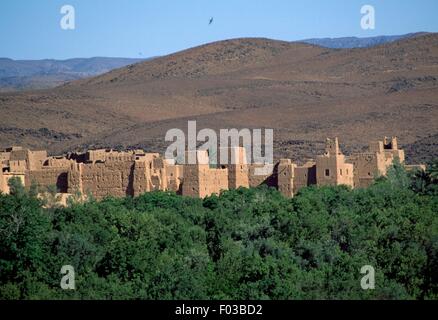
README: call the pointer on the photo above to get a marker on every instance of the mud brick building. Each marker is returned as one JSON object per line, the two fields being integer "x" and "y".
{"x": 106, "y": 172}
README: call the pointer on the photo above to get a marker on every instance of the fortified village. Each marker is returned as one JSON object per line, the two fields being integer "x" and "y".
{"x": 102, "y": 173}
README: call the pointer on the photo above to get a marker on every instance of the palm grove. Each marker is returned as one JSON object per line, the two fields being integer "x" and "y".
{"x": 243, "y": 244}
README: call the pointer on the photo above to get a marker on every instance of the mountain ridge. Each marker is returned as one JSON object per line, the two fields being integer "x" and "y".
{"x": 17, "y": 75}
{"x": 47, "y": 73}
{"x": 304, "y": 92}
{"x": 359, "y": 42}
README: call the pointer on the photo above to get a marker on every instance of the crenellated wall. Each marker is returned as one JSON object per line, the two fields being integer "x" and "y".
{"x": 200, "y": 180}
{"x": 369, "y": 165}
{"x": 304, "y": 176}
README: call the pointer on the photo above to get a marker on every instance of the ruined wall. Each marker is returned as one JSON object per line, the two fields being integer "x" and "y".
{"x": 238, "y": 176}
{"x": 285, "y": 177}
{"x": 46, "y": 177}
{"x": 367, "y": 166}
{"x": 191, "y": 181}
{"x": 18, "y": 160}
{"x": 175, "y": 174}
{"x": 269, "y": 178}
{"x": 107, "y": 172}
{"x": 36, "y": 159}
{"x": 235, "y": 160}
{"x": 120, "y": 174}
{"x": 141, "y": 181}
{"x": 98, "y": 155}
{"x": 57, "y": 162}
{"x": 392, "y": 151}
{"x": 304, "y": 176}
{"x": 5, "y": 176}
{"x": 18, "y": 154}
{"x": 150, "y": 173}
{"x": 200, "y": 180}
{"x": 4, "y": 159}
{"x": 21, "y": 160}
{"x": 17, "y": 166}
{"x": 158, "y": 174}
{"x": 214, "y": 181}
{"x": 110, "y": 178}
{"x": 74, "y": 179}
{"x": 48, "y": 171}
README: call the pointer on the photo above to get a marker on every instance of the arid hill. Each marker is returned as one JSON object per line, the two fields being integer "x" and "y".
{"x": 304, "y": 92}
{"x": 354, "y": 42}
{"x": 16, "y": 75}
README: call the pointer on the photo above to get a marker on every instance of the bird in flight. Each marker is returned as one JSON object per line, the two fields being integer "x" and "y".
{"x": 211, "y": 21}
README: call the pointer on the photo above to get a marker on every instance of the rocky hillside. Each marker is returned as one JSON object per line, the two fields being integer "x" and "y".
{"x": 304, "y": 92}
{"x": 40, "y": 74}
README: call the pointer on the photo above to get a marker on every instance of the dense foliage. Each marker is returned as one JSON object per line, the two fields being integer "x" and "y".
{"x": 243, "y": 244}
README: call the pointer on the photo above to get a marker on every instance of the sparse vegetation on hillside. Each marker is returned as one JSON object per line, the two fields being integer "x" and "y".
{"x": 243, "y": 244}
{"x": 305, "y": 93}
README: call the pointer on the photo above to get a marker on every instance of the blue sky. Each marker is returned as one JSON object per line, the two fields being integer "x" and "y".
{"x": 30, "y": 29}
